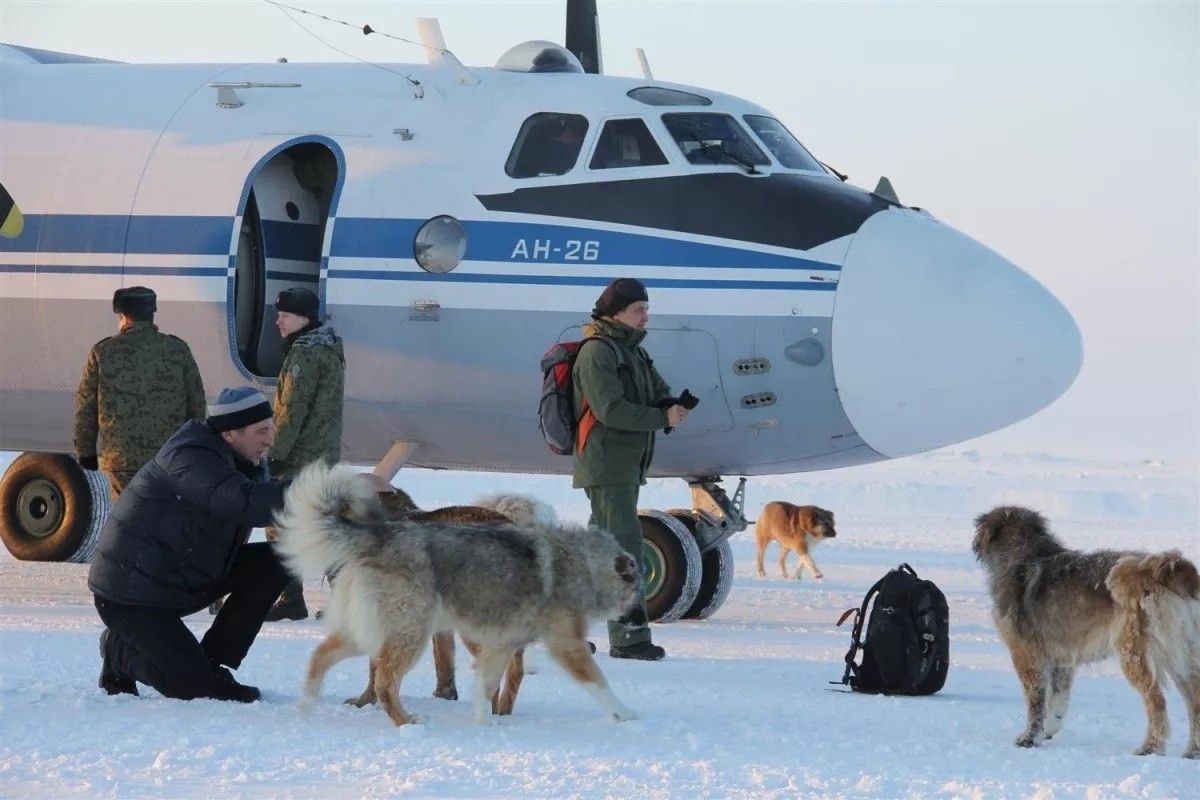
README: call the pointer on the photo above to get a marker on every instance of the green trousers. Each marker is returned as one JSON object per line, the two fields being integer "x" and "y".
{"x": 614, "y": 508}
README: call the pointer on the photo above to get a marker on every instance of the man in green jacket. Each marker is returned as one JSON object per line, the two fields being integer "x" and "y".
{"x": 308, "y": 407}
{"x": 137, "y": 388}
{"x": 616, "y": 403}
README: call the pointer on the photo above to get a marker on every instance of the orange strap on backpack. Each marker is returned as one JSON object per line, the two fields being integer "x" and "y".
{"x": 586, "y": 422}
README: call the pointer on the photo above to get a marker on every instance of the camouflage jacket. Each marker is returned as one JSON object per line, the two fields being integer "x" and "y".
{"x": 137, "y": 388}
{"x": 308, "y": 402}
{"x": 622, "y": 397}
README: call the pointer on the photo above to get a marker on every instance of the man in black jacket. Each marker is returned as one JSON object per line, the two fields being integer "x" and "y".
{"x": 177, "y": 540}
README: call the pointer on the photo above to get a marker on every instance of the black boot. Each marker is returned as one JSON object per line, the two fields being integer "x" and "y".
{"x": 226, "y": 688}
{"x": 290, "y": 604}
{"x": 110, "y": 681}
{"x": 642, "y": 651}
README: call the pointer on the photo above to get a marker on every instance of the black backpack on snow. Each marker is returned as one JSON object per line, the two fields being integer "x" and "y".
{"x": 907, "y": 646}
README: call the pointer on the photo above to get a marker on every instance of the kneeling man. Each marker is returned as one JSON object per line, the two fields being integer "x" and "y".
{"x": 177, "y": 540}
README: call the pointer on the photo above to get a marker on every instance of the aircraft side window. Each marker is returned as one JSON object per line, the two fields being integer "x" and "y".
{"x": 713, "y": 139}
{"x": 626, "y": 143}
{"x": 547, "y": 144}
{"x": 779, "y": 140}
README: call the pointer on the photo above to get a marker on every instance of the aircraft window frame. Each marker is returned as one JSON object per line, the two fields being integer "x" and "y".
{"x": 804, "y": 151}
{"x": 757, "y": 157}
{"x": 662, "y": 96}
{"x": 537, "y": 131}
{"x": 646, "y": 137}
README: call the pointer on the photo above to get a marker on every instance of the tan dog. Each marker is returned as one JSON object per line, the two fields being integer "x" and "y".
{"x": 795, "y": 528}
{"x": 1057, "y": 608}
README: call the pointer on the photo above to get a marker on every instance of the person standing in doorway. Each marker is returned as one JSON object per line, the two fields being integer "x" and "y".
{"x": 137, "y": 388}
{"x": 308, "y": 407}
{"x": 617, "y": 401}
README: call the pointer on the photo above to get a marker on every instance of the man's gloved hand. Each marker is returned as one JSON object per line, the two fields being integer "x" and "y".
{"x": 89, "y": 463}
{"x": 687, "y": 400}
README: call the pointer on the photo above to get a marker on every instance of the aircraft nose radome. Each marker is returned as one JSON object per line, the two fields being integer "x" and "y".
{"x": 937, "y": 339}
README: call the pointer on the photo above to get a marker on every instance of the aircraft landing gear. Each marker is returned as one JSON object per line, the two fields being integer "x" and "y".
{"x": 688, "y": 561}
{"x": 52, "y": 509}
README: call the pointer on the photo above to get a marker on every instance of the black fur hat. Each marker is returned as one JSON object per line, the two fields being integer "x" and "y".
{"x": 619, "y": 295}
{"x": 299, "y": 301}
{"x": 135, "y": 302}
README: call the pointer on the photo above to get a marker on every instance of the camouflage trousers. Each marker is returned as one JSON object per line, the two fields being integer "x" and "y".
{"x": 614, "y": 508}
{"x": 117, "y": 481}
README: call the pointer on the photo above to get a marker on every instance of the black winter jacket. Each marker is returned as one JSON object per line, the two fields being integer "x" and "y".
{"x": 172, "y": 536}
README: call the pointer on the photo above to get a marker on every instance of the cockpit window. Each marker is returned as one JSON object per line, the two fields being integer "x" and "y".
{"x": 779, "y": 140}
{"x": 626, "y": 143}
{"x": 547, "y": 144}
{"x": 713, "y": 139}
{"x": 658, "y": 96}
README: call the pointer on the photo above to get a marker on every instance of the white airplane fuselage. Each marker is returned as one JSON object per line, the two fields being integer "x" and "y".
{"x": 820, "y": 325}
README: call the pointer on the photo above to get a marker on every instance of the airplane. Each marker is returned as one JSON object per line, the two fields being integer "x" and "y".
{"x": 456, "y": 222}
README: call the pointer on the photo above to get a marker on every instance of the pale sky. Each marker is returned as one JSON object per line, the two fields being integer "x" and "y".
{"x": 1066, "y": 136}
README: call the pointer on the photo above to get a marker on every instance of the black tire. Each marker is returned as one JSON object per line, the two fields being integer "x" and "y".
{"x": 672, "y": 563}
{"x": 51, "y": 509}
{"x": 716, "y": 577}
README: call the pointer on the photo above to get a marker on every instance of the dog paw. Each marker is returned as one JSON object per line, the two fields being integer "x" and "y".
{"x": 1192, "y": 752}
{"x": 624, "y": 715}
{"x": 1027, "y": 740}
{"x": 1151, "y": 749}
{"x": 305, "y": 705}
{"x": 819, "y": 576}
{"x": 446, "y": 694}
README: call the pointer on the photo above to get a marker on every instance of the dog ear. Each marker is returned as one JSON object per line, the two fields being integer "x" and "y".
{"x": 1174, "y": 572}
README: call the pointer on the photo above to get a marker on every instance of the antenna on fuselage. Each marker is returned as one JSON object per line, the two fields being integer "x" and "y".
{"x": 435, "y": 48}
{"x": 641, "y": 54}
{"x": 583, "y": 34}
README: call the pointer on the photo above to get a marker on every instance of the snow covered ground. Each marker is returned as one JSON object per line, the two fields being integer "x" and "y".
{"x": 742, "y": 707}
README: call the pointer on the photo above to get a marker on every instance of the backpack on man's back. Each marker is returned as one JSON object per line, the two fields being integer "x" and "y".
{"x": 556, "y": 411}
{"x": 907, "y": 646}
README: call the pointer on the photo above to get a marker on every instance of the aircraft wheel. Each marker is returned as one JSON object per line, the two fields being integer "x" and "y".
{"x": 51, "y": 509}
{"x": 671, "y": 561}
{"x": 717, "y": 572}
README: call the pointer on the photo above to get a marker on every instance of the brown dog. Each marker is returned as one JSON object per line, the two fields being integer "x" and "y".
{"x": 795, "y": 528}
{"x": 400, "y": 506}
{"x": 1057, "y": 608}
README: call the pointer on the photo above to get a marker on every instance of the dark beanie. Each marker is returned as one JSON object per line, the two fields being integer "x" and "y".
{"x": 619, "y": 295}
{"x": 135, "y": 302}
{"x": 238, "y": 407}
{"x": 299, "y": 301}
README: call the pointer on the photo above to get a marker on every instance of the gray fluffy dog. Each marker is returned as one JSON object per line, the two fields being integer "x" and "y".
{"x": 500, "y": 585}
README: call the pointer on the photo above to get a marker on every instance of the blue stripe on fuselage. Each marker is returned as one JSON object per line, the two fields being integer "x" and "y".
{"x": 117, "y": 233}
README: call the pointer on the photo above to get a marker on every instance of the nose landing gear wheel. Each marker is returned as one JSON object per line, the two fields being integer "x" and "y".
{"x": 717, "y": 571}
{"x": 671, "y": 562}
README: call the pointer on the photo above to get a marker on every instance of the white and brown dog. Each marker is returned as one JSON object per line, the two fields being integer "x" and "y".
{"x": 795, "y": 528}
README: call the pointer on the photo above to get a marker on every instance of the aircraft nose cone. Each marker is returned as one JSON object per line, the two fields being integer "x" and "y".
{"x": 937, "y": 339}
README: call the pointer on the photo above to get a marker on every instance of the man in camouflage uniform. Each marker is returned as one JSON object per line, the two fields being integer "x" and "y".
{"x": 137, "y": 388}
{"x": 308, "y": 406}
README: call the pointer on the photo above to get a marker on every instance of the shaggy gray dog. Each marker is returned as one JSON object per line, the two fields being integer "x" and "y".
{"x": 497, "y": 584}
{"x": 1054, "y": 608}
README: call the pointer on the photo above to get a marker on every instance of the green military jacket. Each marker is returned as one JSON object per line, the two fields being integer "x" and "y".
{"x": 137, "y": 388}
{"x": 620, "y": 446}
{"x": 308, "y": 402}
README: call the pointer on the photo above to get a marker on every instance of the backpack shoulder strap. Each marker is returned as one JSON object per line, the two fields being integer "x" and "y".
{"x": 613, "y": 346}
{"x": 856, "y": 634}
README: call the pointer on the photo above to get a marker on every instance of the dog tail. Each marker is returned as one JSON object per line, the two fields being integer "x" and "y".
{"x": 522, "y": 509}
{"x": 329, "y": 517}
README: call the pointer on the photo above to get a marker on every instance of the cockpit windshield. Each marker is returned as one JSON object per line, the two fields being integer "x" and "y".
{"x": 713, "y": 139}
{"x": 779, "y": 140}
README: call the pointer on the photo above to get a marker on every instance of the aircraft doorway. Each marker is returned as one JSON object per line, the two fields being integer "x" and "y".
{"x": 279, "y": 246}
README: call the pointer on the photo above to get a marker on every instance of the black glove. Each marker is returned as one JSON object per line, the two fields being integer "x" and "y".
{"x": 89, "y": 463}
{"x": 687, "y": 400}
